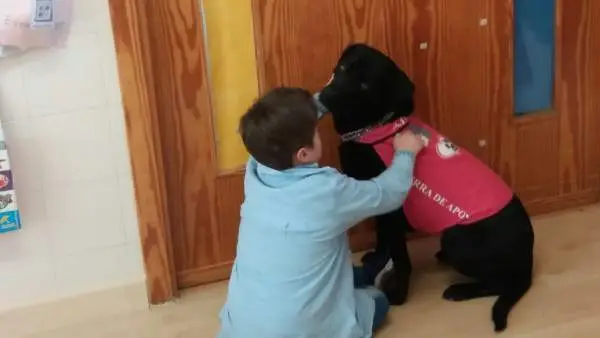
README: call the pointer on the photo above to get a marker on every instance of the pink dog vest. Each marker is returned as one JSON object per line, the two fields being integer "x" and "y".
{"x": 450, "y": 185}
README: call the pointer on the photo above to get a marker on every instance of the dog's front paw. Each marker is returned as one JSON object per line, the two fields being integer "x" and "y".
{"x": 395, "y": 287}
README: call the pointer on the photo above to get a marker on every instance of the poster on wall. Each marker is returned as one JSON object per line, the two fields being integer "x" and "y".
{"x": 10, "y": 219}
{"x": 27, "y": 24}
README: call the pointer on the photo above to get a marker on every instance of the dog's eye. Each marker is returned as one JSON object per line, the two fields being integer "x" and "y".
{"x": 364, "y": 86}
{"x": 342, "y": 68}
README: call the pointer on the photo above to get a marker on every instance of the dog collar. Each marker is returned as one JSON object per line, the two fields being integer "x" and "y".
{"x": 357, "y": 134}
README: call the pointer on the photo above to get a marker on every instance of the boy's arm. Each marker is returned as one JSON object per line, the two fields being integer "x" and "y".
{"x": 358, "y": 200}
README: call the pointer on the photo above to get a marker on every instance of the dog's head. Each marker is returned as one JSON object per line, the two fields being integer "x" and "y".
{"x": 365, "y": 88}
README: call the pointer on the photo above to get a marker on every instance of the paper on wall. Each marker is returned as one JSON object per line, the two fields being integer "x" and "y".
{"x": 26, "y": 24}
{"x": 10, "y": 218}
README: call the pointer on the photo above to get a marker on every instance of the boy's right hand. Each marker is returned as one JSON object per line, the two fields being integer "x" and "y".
{"x": 408, "y": 141}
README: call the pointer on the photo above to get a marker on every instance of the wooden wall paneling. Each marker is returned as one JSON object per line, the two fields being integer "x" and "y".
{"x": 463, "y": 66}
{"x": 549, "y": 157}
{"x": 537, "y": 159}
{"x": 502, "y": 149}
{"x": 132, "y": 33}
{"x": 577, "y": 106}
{"x": 570, "y": 90}
{"x": 578, "y": 95}
{"x": 525, "y": 152}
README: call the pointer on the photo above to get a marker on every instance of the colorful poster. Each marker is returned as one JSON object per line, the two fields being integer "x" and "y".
{"x": 6, "y": 182}
{"x": 10, "y": 219}
{"x": 4, "y": 162}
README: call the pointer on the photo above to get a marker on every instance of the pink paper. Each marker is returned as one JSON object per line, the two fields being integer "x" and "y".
{"x": 26, "y": 24}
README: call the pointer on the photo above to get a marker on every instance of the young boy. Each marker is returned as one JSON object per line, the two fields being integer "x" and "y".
{"x": 293, "y": 275}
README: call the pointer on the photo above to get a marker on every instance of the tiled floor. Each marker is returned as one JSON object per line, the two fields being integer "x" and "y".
{"x": 564, "y": 302}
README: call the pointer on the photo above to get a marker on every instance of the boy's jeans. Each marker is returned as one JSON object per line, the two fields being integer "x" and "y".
{"x": 382, "y": 305}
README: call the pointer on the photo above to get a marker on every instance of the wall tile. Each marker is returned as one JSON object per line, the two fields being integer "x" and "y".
{"x": 129, "y": 212}
{"x": 11, "y": 86}
{"x": 33, "y": 240}
{"x": 85, "y": 216}
{"x": 76, "y": 146}
{"x": 91, "y": 16}
{"x": 26, "y": 281}
{"x": 96, "y": 270}
{"x": 67, "y": 79}
{"x": 64, "y": 125}
{"x": 119, "y": 148}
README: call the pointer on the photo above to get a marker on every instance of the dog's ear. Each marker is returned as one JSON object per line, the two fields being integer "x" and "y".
{"x": 397, "y": 89}
{"x": 353, "y": 48}
{"x": 354, "y": 52}
{"x": 400, "y": 92}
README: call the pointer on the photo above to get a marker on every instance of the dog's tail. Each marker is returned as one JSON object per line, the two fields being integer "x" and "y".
{"x": 514, "y": 291}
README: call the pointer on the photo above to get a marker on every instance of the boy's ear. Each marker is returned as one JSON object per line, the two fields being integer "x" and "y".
{"x": 301, "y": 156}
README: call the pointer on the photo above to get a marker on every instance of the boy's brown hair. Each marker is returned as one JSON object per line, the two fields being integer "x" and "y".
{"x": 278, "y": 124}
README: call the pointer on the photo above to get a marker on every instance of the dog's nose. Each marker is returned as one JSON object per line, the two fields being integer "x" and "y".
{"x": 321, "y": 109}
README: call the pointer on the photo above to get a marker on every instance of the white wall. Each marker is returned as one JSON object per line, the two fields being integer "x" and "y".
{"x": 61, "y": 111}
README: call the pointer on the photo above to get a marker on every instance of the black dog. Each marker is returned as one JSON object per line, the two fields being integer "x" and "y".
{"x": 486, "y": 233}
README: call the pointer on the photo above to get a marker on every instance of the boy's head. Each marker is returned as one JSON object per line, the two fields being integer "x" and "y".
{"x": 280, "y": 129}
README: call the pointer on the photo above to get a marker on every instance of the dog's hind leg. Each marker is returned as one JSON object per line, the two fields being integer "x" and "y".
{"x": 509, "y": 293}
{"x": 461, "y": 248}
{"x": 514, "y": 289}
{"x": 467, "y": 291}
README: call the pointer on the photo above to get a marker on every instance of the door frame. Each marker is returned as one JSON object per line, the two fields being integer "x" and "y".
{"x": 137, "y": 33}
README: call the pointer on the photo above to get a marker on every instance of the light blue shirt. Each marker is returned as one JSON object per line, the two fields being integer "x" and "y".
{"x": 292, "y": 277}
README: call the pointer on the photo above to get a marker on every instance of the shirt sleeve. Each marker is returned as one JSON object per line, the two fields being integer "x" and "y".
{"x": 357, "y": 200}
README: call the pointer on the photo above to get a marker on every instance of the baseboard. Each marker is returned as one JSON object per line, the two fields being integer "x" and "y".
{"x": 563, "y": 202}
{"x": 209, "y": 274}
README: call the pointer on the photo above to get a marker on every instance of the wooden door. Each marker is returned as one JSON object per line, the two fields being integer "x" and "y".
{"x": 188, "y": 211}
